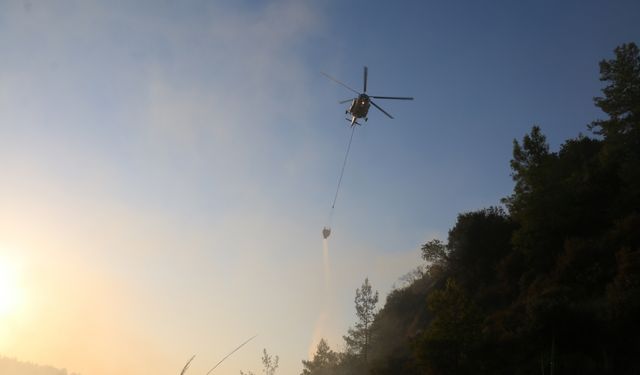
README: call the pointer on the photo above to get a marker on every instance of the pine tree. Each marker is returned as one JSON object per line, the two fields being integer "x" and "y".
{"x": 358, "y": 338}
{"x": 324, "y": 361}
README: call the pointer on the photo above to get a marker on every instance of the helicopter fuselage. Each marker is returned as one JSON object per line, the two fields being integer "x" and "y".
{"x": 360, "y": 107}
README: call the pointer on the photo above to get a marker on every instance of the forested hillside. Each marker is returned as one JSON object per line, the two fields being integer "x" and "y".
{"x": 9, "y": 366}
{"x": 546, "y": 283}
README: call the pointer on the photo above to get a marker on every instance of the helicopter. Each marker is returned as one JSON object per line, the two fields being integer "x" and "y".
{"x": 360, "y": 105}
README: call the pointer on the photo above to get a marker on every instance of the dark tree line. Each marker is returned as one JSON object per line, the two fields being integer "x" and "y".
{"x": 549, "y": 284}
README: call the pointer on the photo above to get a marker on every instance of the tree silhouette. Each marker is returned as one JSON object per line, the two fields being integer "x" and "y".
{"x": 324, "y": 361}
{"x": 621, "y": 99}
{"x": 269, "y": 362}
{"x": 358, "y": 338}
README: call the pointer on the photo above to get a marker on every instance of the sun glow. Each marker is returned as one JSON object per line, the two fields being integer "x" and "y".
{"x": 10, "y": 289}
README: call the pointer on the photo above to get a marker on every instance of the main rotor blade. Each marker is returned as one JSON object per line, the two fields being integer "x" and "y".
{"x": 338, "y": 82}
{"x": 346, "y": 101}
{"x": 365, "y": 79}
{"x": 392, "y": 97}
{"x": 381, "y": 110}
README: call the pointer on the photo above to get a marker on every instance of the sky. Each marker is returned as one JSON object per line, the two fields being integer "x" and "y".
{"x": 166, "y": 168}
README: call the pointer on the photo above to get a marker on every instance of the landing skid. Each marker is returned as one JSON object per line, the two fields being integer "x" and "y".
{"x": 354, "y": 122}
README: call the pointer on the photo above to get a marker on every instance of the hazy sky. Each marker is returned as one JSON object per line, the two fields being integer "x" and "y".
{"x": 166, "y": 167}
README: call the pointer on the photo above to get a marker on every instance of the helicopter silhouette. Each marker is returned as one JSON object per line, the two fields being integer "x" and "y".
{"x": 360, "y": 105}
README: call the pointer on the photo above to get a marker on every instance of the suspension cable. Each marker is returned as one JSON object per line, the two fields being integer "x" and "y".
{"x": 344, "y": 164}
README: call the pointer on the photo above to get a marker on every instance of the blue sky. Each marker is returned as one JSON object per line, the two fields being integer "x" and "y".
{"x": 181, "y": 158}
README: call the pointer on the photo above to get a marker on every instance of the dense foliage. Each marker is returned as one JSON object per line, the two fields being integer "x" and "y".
{"x": 548, "y": 284}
